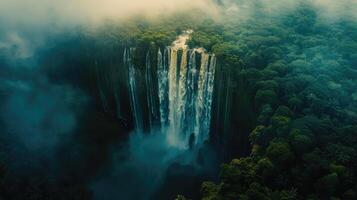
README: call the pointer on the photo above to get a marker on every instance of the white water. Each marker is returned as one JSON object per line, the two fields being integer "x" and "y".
{"x": 190, "y": 89}
{"x": 163, "y": 85}
{"x": 177, "y": 96}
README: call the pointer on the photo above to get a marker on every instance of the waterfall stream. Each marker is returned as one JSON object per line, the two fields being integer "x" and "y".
{"x": 190, "y": 88}
{"x": 174, "y": 95}
{"x": 134, "y": 101}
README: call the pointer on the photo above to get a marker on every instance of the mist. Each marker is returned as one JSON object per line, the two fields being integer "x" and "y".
{"x": 32, "y": 13}
{"x": 140, "y": 171}
{"x": 47, "y": 12}
{"x": 328, "y": 10}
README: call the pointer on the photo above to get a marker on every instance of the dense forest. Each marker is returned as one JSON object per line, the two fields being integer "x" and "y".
{"x": 283, "y": 123}
{"x": 298, "y": 75}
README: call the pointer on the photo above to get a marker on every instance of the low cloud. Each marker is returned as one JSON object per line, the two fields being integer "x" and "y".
{"x": 37, "y": 12}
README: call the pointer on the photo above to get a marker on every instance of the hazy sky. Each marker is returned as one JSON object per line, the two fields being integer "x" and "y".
{"x": 24, "y": 22}
{"x": 74, "y": 11}
{"x": 66, "y": 12}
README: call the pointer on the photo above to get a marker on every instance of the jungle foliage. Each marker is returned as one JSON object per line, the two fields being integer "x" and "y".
{"x": 301, "y": 73}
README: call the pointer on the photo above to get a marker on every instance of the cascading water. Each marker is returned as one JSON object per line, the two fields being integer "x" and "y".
{"x": 163, "y": 85}
{"x": 176, "y": 93}
{"x": 189, "y": 88}
{"x": 164, "y": 95}
{"x": 134, "y": 102}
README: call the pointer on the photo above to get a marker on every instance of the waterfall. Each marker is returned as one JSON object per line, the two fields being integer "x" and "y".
{"x": 174, "y": 94}
{"x": 204, "y": 97}
{"x": 134, "y": 101}
{"x": 189, "y": 89}
{"x": 163, "y": 86}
